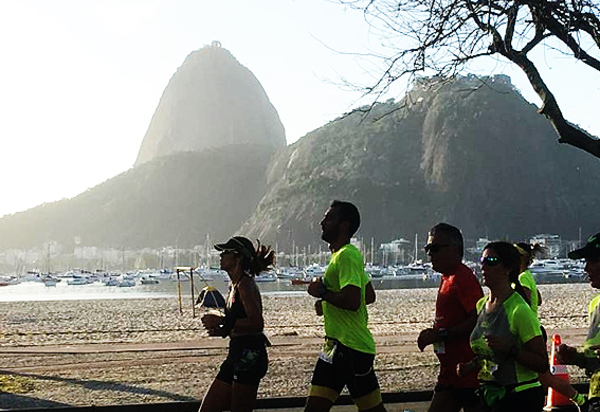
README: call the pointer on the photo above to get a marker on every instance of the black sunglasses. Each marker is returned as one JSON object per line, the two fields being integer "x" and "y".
{"x": 434, "y": 247}
{"x": 489, "y": 261}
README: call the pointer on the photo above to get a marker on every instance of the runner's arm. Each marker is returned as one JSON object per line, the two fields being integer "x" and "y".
{"x": 348, "y": 298}
{"x": 462, "y": 329}
{"x": 369, "y": 294}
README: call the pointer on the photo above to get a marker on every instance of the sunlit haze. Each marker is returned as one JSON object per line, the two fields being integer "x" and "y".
{"x": 80, "y": 79}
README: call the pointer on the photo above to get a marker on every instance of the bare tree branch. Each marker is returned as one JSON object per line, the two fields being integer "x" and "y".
{"x": 440, "y": 37}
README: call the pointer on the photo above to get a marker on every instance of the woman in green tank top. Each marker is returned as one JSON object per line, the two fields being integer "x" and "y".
{"x": 507, "y": 339}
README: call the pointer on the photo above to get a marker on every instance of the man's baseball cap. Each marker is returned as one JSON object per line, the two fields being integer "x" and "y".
{"x": 590, "y": 250}
{"x": 238, "y": 244}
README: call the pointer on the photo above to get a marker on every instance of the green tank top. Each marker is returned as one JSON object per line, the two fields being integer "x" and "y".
{"x": 514, "y": 321}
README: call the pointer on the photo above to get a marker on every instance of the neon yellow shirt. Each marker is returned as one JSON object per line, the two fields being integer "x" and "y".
{"x": 526, "y": 279}
{"x": 517, "y": 324}
{"x": 593, "y": 336}
{"x": 346, "y": 267}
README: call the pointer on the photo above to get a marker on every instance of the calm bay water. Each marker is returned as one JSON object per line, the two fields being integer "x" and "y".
{"x": 37, "y": 291}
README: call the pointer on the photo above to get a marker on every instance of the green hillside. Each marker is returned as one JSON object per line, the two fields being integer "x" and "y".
{"x": 176, "y": 199}
{"x": 478, "y": 156}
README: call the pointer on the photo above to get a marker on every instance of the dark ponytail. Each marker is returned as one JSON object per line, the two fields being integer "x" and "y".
{"x": 530, "y": 251}
{"x": 260, "y": 259}
{"x": 264, "y": 258}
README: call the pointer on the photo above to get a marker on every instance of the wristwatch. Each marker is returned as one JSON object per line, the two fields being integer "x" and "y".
{"x": 322, "y": 290}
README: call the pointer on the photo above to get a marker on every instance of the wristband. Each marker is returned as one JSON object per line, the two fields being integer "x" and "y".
{"x": 322, "y": 290}
{"x": 442, "y": 333}
{"x": 578, "y": 398}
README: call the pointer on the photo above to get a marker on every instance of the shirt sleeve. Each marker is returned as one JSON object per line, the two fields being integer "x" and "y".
{"x": 525, "y": 324}
{"x": 527, "y": 281}
{"x": 468, "y": 292}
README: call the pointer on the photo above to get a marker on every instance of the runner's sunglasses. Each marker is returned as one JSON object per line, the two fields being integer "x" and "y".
{"x": 489, "y": 261}
{"x": 434, "y": 247}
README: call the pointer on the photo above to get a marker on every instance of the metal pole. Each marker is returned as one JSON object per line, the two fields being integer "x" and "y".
{"x": 179, "y": 292}
{"x": 192, "y": 286}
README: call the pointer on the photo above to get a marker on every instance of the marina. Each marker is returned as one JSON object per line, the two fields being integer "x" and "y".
{"x": 82, "y": 285}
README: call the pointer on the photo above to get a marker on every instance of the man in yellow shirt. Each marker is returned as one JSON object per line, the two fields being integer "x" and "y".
{"x": 349, "y": 349}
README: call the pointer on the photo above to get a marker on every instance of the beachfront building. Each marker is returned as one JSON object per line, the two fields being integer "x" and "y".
{"x": 552, "y": 244}
{"x": 395, "y": 252}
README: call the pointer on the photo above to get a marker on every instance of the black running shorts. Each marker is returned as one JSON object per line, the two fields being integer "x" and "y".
{"x": 246, "y": 362}
{"x": 349, "y": 368}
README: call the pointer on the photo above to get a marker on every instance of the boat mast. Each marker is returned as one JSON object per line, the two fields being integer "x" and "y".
{"x": 416, "y": 248}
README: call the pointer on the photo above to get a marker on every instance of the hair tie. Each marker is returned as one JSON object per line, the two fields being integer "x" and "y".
{"x": 520, "y": 250}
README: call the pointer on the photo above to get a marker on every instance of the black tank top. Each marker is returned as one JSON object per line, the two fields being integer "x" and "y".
{"x": 234, "y": 310}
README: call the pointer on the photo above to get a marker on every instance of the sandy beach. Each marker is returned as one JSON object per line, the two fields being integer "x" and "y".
{"x": 122, "y": 351}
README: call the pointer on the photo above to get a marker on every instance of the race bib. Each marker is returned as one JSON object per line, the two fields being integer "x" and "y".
{"x": 328, "y": 352}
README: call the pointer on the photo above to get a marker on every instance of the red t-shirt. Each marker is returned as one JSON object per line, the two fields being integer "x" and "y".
{"x": 457, "y": 296}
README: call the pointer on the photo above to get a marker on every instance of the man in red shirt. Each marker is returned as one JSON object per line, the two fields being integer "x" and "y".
{"x": 455, "y": 318}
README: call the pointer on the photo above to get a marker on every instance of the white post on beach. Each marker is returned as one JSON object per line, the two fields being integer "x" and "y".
{"x": 179, "y": 291}
{"x": 192, "y": 288}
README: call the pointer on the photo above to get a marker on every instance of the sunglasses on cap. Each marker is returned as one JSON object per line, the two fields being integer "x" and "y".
{"x": 489, "y": 261}
{"x": 434, "y": 247}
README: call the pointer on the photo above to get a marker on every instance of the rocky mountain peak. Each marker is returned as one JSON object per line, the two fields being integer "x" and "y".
{"x": 211, "y": 101}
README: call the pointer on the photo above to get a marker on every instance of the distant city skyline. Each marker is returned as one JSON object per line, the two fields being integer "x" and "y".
{"x": 81, "y": 79}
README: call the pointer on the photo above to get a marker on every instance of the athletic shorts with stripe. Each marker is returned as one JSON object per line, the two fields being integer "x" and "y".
{"x": 349, "y": 368}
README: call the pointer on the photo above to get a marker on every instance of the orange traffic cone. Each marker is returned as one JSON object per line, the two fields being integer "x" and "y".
{"x": 555, "y": 400}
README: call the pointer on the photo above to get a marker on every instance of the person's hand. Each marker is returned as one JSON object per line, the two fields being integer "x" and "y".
{"x": 462, "y": 369}
{"x": 316, "y": 287}
{"x": 216, "y": 331}
{"x": 426, "y": 337}
{"x": 319, "y": 307}
{"x": 567, "y": 354}
{"x": 497, "y": 343}
{"x": 211, "y": 321}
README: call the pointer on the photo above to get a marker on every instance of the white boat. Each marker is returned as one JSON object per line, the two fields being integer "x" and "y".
{"x": 288, "y": 273}
{"x": 50, "y": 281}
{"x": 547, "y": 266}
{"x": 374, "y": 271}
{"x": 9, "y": 280}
{"x": 78, "y": 281}
{"x": 576, "y": 273}
{"x": 205, "y": 274}
{"x": 265, "y": 277}
{"x": 127, "y": 280}
{"x": 125, "y": 283}
{"x": 313, "y": 270}
{"x": 110, "y": 281}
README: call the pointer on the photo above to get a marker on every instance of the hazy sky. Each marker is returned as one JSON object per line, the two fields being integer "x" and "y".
{"x": 80, "y": 80}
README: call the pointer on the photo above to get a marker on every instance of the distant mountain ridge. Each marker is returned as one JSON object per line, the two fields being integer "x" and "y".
{"x": 473, "y": 154}
{"x": 172, "y": 200}
{"x": 470, "y": 152}
{"x": 200, "y": 169}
